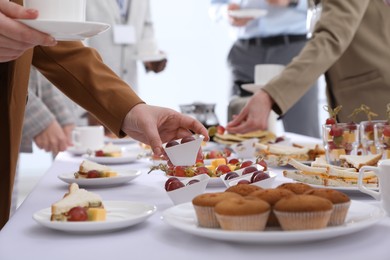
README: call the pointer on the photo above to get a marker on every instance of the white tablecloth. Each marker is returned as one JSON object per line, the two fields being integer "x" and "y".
{"x": 23, "y": 238}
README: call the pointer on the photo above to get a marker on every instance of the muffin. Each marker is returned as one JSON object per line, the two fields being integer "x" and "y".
{"x": 241, "y": 214}
{"x": 243, "y": 189}
{"x": 204, "y": 207}
{"x": 302, "y": 212}
{"x": 341, "y": 203}
{"x": 271, "y": 196}
{"x": 296, "y": 187}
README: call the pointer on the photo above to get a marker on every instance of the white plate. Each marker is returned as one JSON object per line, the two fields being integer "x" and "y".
{"x": 151, "y": 58}
{"x": 345, "y": 188}
{"x": 124, "y": 140}
{"x": 251, "y": 87}
{"x": 248, "y": 13}
{"x": 67, "y": 30}
{"x": 123, "y": 177}
{"x": 360, "y": 216}
{"x": 76, "y": 151}
{"x": 120, "y": 214}
{"x": 127, "y": 157}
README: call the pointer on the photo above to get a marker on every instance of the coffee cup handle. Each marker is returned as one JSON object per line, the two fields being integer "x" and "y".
{"x": 76, "y": 139}
{"x": 363, "y": 188}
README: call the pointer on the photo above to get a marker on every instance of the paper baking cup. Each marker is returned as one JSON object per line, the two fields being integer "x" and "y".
{"x": 339, "y": 214}
{"x": 254, "y": 222}
{"x": 206, "y": 217}
{"x": 303, "y": 220}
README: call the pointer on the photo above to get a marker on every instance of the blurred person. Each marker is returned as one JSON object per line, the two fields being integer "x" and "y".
{"x": 350, "y": 44}
{"x": 275, "y": 38}
{"x": 79, "y": 72}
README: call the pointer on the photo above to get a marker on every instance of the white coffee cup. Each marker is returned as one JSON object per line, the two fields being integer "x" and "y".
{"x": 58, "y": 10}
{"x": 88, "y": 137}
{"x": 148, "y": 47}
{"x": 383, "y": 173}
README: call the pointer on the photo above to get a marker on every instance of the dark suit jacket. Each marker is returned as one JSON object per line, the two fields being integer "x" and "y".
{"x": 77, "y": 71}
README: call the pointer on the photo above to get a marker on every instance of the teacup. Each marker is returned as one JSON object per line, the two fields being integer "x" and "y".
{"x": 383, "y": 173}
{"x": 88, "y": 137}
{"x": 264, "y": 73}
{"x": 58, "y": 10}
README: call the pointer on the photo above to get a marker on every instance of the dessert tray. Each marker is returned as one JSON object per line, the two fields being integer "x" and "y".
{"x": 360, "y": 216}
{"x": 67, "y": 30}
{"x": 124, "y": 176}
{"x": 120, "y": 214}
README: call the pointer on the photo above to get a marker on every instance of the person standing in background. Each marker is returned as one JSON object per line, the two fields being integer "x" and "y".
{"x": 275, "y": 38}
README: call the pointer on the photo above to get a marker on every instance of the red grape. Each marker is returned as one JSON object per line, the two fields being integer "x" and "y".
{"x": 234, "y": 161}
{"x": 168, "y": 182}
{"x": 246, "y": 164}
{"x": 231, "y": 175}
{"x": 202, "y": 170}
{"x": 187, "y": 139}
{"x": 243, "y": 182}
{"x": 386, "y": 130}
{"x": 259, "y": 176}
{"x": 174, "y": 185}
{"x": 336, "y": 131}
{"x": 248, "y": 170}
{"x": 263, "y": 163}
{"x": 192, "y": 182}
{"x": 77, "y": 214}
{"x": 222, "y": 169}
{"x": 171, "y": 143}
{"x": 330, "y": 121}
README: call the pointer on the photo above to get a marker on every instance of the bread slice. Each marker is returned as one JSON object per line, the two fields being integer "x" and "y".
{"x": 75, "y": 197}
{"x": 86, "y": 166}
{"x": 358, "y": 161}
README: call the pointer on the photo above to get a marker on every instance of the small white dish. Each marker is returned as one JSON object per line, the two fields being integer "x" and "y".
{"x": 265, "y": 184}
{"x": 240, "y": 175}
{"x": 360, "y": 216}
{"x": 120, "y": 214}
{"x": 248, "y": 13}
{"x": 124, "y": 176}
{"x": 152, "y": 58}
{"x": 188, "y": 192}
{"x": 76, "y": 151}
{"x": 124, "y": 140}
{"x": 128, "y": 156}
{"x": 184, "y": 154}
{"x": 245, "y": 149}
{"x": 67, "y": 30}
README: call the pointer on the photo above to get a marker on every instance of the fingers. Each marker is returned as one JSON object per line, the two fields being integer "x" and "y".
{"x": 194, "y": 125}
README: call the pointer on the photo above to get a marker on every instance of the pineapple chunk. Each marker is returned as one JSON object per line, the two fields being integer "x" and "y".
{"x": 218, "y": 161}
{"x": 96, "y": 214}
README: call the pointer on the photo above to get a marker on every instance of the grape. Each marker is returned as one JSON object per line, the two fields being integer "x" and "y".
{"x": 259, "y": 176}
{"x": 174, "y": 185}
{"x": 222, "y": 169}
{"x": 246, "y": 164}
{"x": 171, "y": 143}
{"x": 234, "y": 161}
{"x": 192, "y": 182}
{"x": 243, "y": 182}
{"x": 249, "y": 169}
{"x": 336, "y": 131}
{"x": 330, "y": 121}
{"x": 202, "y": 170}
{"x": 231, "y": 175}
{"x": 170, "y": 179}
{"x": 77, "y": 214}
{"x": 187, "y": 139}
{"x": 386, "y": 130}
{"x": 263, "y": 163}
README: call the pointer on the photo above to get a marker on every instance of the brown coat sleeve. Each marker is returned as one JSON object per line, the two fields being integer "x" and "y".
{"x": 79, "y": 72}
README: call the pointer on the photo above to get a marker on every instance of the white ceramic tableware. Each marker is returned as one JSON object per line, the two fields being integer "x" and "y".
{"x": 58, "y": 10}
{"x": 88, "y": 137}
{"x": 383, "y": 173}
{"x": 184, "y": 154}
{"x": 188, "y": 192}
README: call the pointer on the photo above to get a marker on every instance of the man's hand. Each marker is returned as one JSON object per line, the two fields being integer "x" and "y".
{"x": 15, "y": 37}
{"x": 156, "y": 125}
{"x": 68, "y": 129}
{"x": 234, "y": 21}
{"x": 254, "y": 116}
{"x": 52, "y": 139}
{"x": 155, "y": 66}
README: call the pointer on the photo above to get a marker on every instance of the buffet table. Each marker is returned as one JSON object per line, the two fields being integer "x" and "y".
{"x": 23, "y": 238}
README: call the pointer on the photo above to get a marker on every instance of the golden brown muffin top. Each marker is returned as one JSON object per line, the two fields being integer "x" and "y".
{"x": 210, "y": 199}
{"x": 241, "y": 207}
{"x": 243, "y": 189}
{"x": 271, "y": 195}
{"x": 296, "y": 187}
{"x": 334, "y": 196}
{"x": 303, "y": 203}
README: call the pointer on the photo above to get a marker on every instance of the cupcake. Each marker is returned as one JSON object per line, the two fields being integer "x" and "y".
{"x": 243, "y": 189}
{"x": 341, "y": 203}
{"x": 204, "y": 207}
{"x": 242, "y": 214}
{"x": 302, "y": 212}
{"x": 296, "y": 187}
{"x": 271, "y": 196}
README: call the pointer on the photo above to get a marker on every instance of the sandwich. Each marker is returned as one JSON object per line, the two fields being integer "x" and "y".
{"x": 90, "y": 169}
{"x": 78, "y": 205}
{"x": 314, "y": 150}
{"x": 328, "y": 175}
{"x": 229, "y": 139}
{"x": 279, "y": 155}
{"x": 358, "y": 161}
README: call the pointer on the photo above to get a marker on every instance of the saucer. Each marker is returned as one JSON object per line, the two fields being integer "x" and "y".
{"x": 67, "y": 30}
{"x": 248, "y": 13}
{"x": 152, "y": 57}
{"x": 251, "y": 87}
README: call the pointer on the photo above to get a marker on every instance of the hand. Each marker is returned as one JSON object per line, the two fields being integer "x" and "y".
{"x": 254, "y": 116}
{"x": 155, "y": 66}
{"x": 15, "y": 37}
{"x": 68, "y": 129}
{"x": 281, "y": 3}
{"x": 52, "y": 139}
{"x": 234, "y": 21}
{"x": 154, "y": 125}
